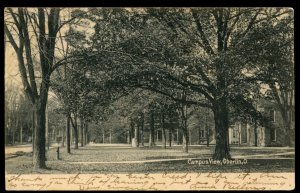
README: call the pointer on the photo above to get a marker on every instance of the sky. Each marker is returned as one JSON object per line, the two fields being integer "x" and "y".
{"x": 11, "y": 71}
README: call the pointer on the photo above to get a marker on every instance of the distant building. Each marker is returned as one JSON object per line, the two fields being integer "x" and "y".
{"x": 243, "y": 133}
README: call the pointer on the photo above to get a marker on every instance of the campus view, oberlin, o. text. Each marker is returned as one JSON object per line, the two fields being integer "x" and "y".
{"x": 149, "y": 98}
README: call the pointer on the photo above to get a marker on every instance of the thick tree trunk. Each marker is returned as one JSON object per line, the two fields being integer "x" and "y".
{"x": 68, "y": 136}
{"x": 221, "y": 125}
{"x": 163, "y": 131}
{"x": 39, "y": 157}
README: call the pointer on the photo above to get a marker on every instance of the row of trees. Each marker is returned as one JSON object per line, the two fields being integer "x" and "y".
{"x": 18, "y": 122}
{"x": 216, "y": 58}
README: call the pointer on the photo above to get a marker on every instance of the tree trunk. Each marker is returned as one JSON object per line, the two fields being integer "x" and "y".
{"x": 63, "y": 137}
{"x": 207, "y": 136}
{"x": 131, "y": 127}
{"x": 170, "y": 138}
{"x": 183, "y": 115}
{"x": 199, "y": 136}
{"x": 47, "y": 128}
{"x": 185, "y": 139}
{"x": 81, "y": 131}
{"x": 39, "y": 157}
{"x": 255, "y": 133}
{"x": 287, "y": 127}
{"x": 21, "y": 135}
{"x": 74, "y": 124}
{"x": 103, "y": 136}
{"x": 6, "y": 135}
{"x": 33, "y": 132}
{"x": 86, "y": 133}
{"x": 14, "y": 131}
{"x": 177, "y": 137}
{"x": 76, "y": 132}
{"x": 221, "y": 125}
{"x": 142, "y": 129}
{"x": 130, "y": 137}
{"x": 71, "y": 133}
{"x": 163, "y": 131}
{"x": 68, "y": 135}
{"x": 13, "y": 137}
{"x": 151, "y": 139}
{"x": 110, "y": 136}
{"x": 136, "y": 136}
{"x": 151, "y": 136}
{"x": 190, "y": 136}
{"x": 288, "y": 135}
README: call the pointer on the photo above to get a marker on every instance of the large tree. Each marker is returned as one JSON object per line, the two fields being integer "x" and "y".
{"x": 197, "y": 50}
{"x": 35, "y": 31}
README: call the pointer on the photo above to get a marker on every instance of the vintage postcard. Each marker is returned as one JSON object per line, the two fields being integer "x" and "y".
{"x": 149, "y": 98}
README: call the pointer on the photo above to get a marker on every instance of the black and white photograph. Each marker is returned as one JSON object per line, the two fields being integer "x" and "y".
{"x": 149, "y": 98}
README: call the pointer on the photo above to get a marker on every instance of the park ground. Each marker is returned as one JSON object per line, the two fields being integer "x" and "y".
{"x": 121, "y": 158}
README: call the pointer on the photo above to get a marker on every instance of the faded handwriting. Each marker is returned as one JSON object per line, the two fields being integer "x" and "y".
{"x": 268, "y": 175}
{"x": 143, "y": 176}
{"x": 174, "y": 176}
{"x": 160, "y": 181}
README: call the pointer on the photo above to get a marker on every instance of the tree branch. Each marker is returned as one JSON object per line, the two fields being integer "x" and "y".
{"x": 19, "y": 52}
{"x": 208, "y": 49}
{"x": 10, "y": 37}
{"x": 28, "y": 52}
{"x": 174, "y": 98}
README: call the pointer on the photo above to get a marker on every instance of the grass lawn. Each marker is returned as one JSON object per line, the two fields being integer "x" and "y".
{"x": 124, "y": 159}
